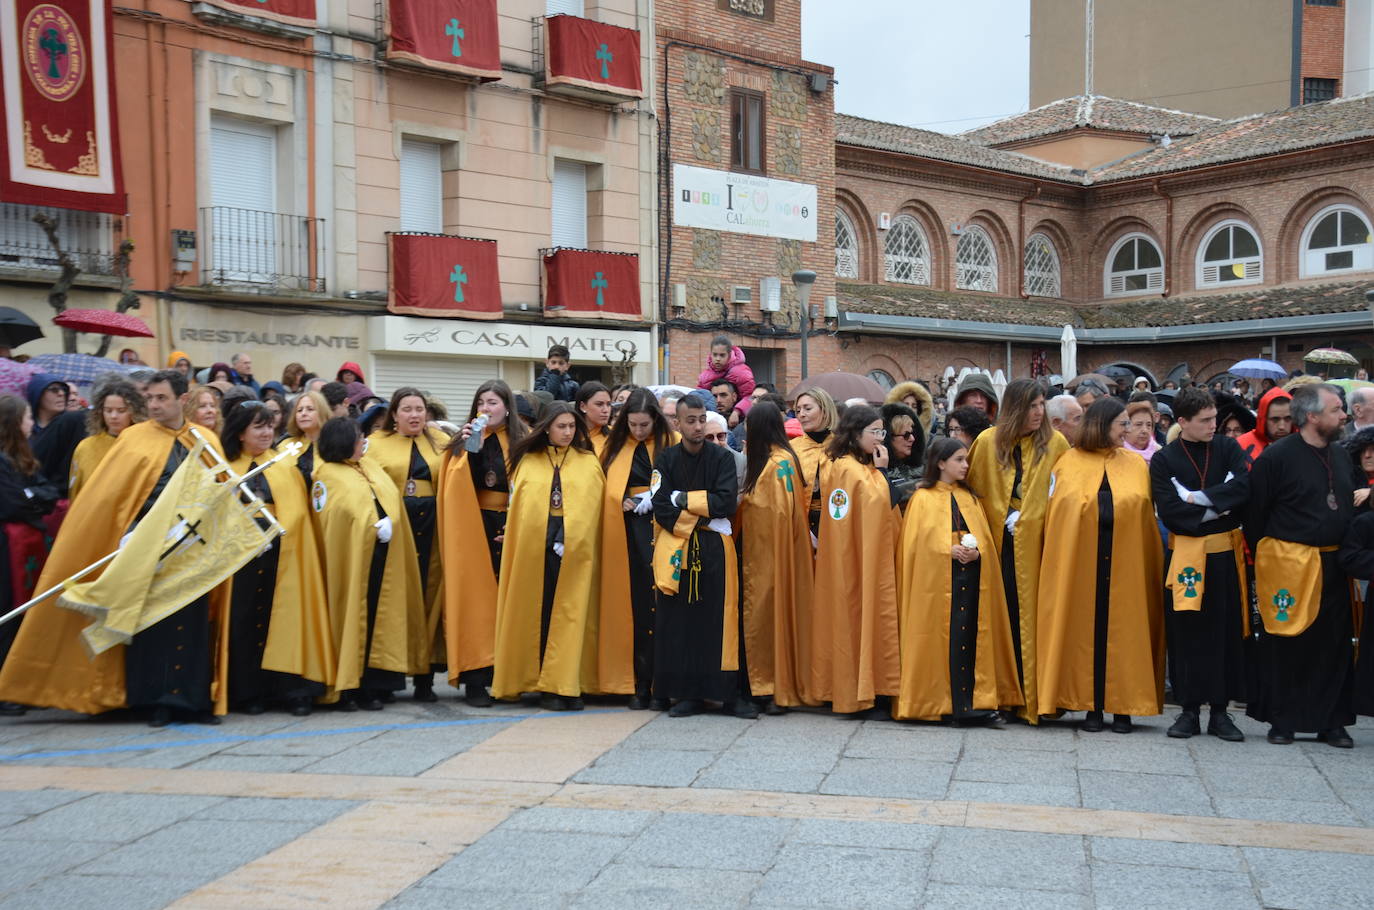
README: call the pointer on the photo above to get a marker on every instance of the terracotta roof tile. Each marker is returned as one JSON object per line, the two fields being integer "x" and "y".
{"x": 908, "y": 140}
{"x": 1089, "y": 111}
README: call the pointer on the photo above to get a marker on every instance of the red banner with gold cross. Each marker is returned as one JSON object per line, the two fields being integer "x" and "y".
{"x": 59, "y": 131}
{"x": 443, "y": 275}
{"x": 589, "y": 283}
{"x": 291, "y": 12}
{"x": 459, "y": 36}
{"x": 592, "y": 55}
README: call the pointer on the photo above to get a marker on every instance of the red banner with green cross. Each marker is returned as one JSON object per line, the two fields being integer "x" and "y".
{"x": 592, "y": 55}
{"x": 291, "y": 12}
{"x": 442, "y": 275}
{"x": 58, "y": 127}
{"x": 591, "y": 284}
{"x": 458, "y": 36}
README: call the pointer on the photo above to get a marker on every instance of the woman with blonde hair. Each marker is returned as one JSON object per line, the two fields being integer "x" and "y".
{"x": 817, "y": 414}
{"x": 307, "y": 415}
{"x": 202, "y": 408}
{"x": 1010, "y": 465}
{"x": 116, "y": 405}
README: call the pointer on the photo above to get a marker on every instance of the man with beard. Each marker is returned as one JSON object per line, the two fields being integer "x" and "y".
{"x": 1301, "y": 501}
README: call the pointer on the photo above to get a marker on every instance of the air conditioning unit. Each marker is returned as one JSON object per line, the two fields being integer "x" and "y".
{"x": 884, "y": 221}
{"x": 741, "y": 294}
{"x": 770, "y": 294}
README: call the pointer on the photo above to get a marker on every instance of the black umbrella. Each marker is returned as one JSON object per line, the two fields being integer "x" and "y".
{"x": 16, "y": 328}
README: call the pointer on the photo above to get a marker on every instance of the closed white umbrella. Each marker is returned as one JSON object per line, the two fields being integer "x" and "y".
{"x": 1068, "y": 352}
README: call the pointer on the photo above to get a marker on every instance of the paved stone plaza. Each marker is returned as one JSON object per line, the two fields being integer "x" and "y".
{"x": 441, "y": 806}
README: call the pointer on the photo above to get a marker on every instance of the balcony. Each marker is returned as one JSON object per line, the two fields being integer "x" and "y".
{"x": 264, "y": 252}
{"x": 89, "y": 238}
{"x": 587, "y": 59}
{"x": 591, "y": 284}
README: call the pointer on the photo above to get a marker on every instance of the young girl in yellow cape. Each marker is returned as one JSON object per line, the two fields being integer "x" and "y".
{"x": 855, "y": 657}
{"x": 625, "y": 643}
{"x": 409, "y": 452}
{"x": 550, "y": 565}
{"x": 957, "y": 656}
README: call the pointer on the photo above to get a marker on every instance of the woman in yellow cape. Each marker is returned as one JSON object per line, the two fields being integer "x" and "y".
{"x": 855, "y": 657}
{"x": 957, "y": 659}
{"x": 817, "y": 414}
{"x": 372, "y": 578}
{"x": 550, "y": 565}
{"x": 279, "y": 640}
{"x": 409, "y": 451}
{"x": 1101, "y": 641}
{"x": 1009, "y": 466}
{"x": 625, "y": 644}
{"x": 115, "y": 406}
{"x": 306, "y": 417}
{"x": 593, "y": 405}
{"x": 775, "y": 550}
{"x": 474, "y": 496}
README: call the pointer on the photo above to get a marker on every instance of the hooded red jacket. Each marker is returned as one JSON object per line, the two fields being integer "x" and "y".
{"x": 1255, "y": 441}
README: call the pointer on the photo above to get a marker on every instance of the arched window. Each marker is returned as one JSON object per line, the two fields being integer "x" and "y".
{"x": 1337, "y": 240}
{"x": 882, "y": 378}
{"x": 1229, "y": 254}
{"x": 906, "y": 255}
{"x": 846, "y": 247}
{"x": 1134, "y": 266}
{"x": 975, "y": 261}
{"x": 1042, "y": 267}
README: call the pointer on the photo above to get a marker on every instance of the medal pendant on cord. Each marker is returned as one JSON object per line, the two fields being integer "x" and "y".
{"x": 556, "y": 495}
{"x": 1331, "y": 501}
{"x": 490, "y": 480}
{"x": 410, "y": 487}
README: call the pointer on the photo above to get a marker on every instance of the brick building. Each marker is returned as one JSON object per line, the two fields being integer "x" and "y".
{"x": 742, "y": 115}
{"x": 1169, "y": 241}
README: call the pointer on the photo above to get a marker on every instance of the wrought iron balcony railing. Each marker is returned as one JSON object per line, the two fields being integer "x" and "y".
{"x": 262, "y": 250}
{"x": 90, "y": 238}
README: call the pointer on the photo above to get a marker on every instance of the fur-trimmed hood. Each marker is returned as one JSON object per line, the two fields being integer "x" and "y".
{"x": 925, "y": 404}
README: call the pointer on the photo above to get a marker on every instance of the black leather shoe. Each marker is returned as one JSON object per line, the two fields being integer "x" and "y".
{"x": 209, "y": 718}
{"x": 638, "y": 702}
{"x": 346, "y": 703}
{"x": 161, "y": 717}
{"x": 12, "y": 709}
{"x": 369, "y": 702}
{"x": 1187, "y": 725}
{"x": 685, "y": 708}
{"x": 424, "y": 690}
{"x": 772, "y": 708}
{"x": 741, "y": 707}
{"x": 1280, "y": 737}
{"x": 549, "y": 701}
{"x": 477, "y": 696}
{"x": 386, "y": 696}
{"x": 1220, "y": 725}
{"x": 300, "y": 707}
{"x": 658, "y": 704}
{"x": 254, "y": 708}
{"x": 1121, "y": 723}
{"x": 1337, "y": 737}
{"x": 1092, "y": 723}
{"x": 572, "y": 702}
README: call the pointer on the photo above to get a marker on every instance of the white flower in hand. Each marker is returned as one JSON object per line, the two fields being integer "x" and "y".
{"x": 968, "y": 540}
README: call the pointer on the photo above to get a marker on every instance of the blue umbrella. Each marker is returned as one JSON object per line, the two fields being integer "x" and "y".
{"x": 1255, "y": 368}
{"x": 82, "y": 369}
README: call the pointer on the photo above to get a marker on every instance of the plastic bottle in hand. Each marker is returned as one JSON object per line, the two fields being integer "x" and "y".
{"x": 474, "y": 443}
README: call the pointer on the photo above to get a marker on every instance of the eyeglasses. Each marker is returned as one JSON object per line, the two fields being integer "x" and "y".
{"x": 878, "y": 433}
{"x": 250, "y": 403}
{"x": 909, "y": 434}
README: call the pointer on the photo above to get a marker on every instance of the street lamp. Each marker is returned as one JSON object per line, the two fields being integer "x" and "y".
{"x": 803, "y": 279}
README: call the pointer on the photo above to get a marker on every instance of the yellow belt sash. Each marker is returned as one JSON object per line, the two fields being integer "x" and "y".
{"x": 1187, "y": 577}
{"x": 1288, "y": 585}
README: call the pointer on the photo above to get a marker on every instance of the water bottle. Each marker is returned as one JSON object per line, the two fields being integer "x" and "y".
{"x": 474, "y": 443}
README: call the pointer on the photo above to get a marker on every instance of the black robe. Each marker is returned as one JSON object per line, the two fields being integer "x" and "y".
{"x": 24, "y": 542}
{"x": 639, "y": 544}
{"x": 1206, "y": 646}
{"x": 424, "y": 520}
{"x": 488, "y": 467}
{"x": 965, "y": 579}
{"x": 1357, "y": 559}
{"x": 1304, "y": 683}
{"x": 689, "y": 625}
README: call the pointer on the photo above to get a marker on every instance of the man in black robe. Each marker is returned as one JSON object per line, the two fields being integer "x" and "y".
{"x": 694, "y": 494}
{"x": 1302, "y": 492}
{"x": 1200, "y": 486}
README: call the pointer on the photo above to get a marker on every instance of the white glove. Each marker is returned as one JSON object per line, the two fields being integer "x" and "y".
{"x": 1209, "y": 515}
{"x": 1196, "y": 497}
{"x": 1012, "y": 518}
{"x": 815, "y": 541}
{"x": 383, "y": 527}
{"x": 678, "y": 499}
{"x": 558, "y": 548}
{"x": 644, "y": 503}
{"x": 719, "y": 525}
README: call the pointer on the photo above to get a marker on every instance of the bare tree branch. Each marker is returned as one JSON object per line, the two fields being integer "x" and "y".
{"x": 128, "y": 300}
{"x": 57, "y": 297}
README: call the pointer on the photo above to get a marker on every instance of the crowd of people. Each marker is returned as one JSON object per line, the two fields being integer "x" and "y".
{"x": 1020, "y": 557}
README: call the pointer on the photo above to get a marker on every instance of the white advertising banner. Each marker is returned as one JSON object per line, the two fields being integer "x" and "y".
{"x": 743, "y": 203}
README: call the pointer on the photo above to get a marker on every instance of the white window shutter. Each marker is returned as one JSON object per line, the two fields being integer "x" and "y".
{"x": 569, "y": 204}
{"x": 243, "y": 165}
{"x": 566, "y": 7}
{"x": 1118, "y": 284}
{"x": 1252, "y": 270}
{"x": 1155, "y": 281}
{"x": 1209, "y": 274}
{"x": 422, "y": 187}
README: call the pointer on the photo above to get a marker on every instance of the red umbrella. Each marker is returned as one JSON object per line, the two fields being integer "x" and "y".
{"x": 104, "y": 322}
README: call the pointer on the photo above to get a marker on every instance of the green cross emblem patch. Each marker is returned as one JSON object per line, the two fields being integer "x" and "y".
{"x": 1284, "y": 601}
{"x": 1190, "y": 578}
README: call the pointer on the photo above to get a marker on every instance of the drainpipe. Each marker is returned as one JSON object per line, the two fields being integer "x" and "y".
{"x": 1021, "y": 235}
{"x": 1168, "y": 235}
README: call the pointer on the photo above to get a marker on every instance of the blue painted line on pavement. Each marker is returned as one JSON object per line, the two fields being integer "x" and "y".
{"x": 300, "y": 734}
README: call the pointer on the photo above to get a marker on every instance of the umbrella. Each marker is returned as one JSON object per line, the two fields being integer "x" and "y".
{"x": 1350, "y": 385}
{"x": 1330, "y": 355}
{"x": 14, "y": 376}
{"x": 81, "y": 369}
{"x": 104, "y": 322}
{"x": 1255, "y": 368}
{"x": 1068, "y": 351}
{"x": 1106, "y": 382}
{"x": 16, "y": 328}
{"x": 1123, "y": 376}
{"x": 841, "y": 386}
